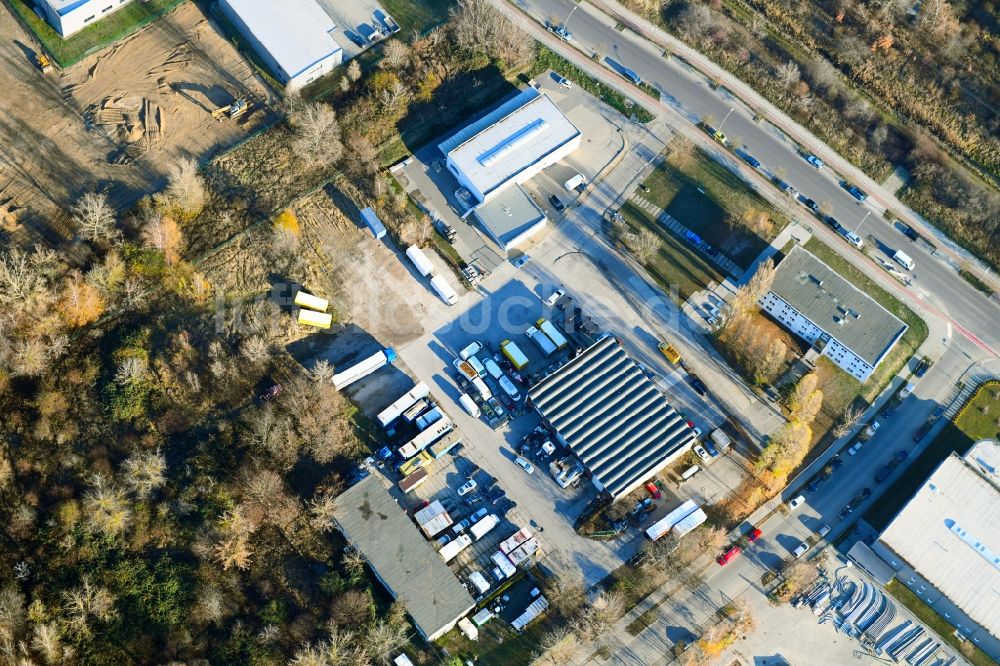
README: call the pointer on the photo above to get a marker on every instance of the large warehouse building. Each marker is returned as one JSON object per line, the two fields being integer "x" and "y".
{"x": 70, "y": 16}
{"x": 847, "y": 325}
{"x": 293, "y": 37}
{"x": 612, "y": 417}
{"x": 411, "y": 570}
{"x": 494, "y": 155}
{"x": 945, "y": 544}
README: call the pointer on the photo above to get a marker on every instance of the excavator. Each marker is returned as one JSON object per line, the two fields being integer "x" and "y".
{"x": 232, "y": 111}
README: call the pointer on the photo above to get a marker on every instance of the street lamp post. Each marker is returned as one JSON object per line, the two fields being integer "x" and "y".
{"x": 862, "y": 221}
{"x": 570, "y": 15}
{"x": 725, "y": 119}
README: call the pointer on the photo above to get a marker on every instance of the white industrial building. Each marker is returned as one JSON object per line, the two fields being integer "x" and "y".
{"x": 71, "y": 16}
{"x": 293, "y": 37}
{"x": 844, "y": 323}
{"x": 494, "y": 155}
{"x": 944, "y": 544}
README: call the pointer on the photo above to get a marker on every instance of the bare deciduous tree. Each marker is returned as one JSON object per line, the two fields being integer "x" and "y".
{"x": 161, "y": 233}
{"x": 107, "y": 507}
{"x": 144, "y": 472}
{"x": 86, "y": 603}
{"x": 479, "y": 26}
{"x": 852, "y": 414}
{"x": 95, "y": 218}
{"x": 353, "y": 71}
{"x": 185, "y": 187}
{"x": 788, "y": 74}
{"x": 382, "y": 639}
{"x": 394, "y": 54}
{"x": 316, "y": 134}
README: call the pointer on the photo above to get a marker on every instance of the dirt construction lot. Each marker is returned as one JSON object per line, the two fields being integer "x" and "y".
{"x": 143, "y": 102}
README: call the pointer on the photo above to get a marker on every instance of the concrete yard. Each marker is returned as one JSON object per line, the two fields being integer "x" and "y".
{"x": 354, "y": 19}
{"x": 146, "y": 101}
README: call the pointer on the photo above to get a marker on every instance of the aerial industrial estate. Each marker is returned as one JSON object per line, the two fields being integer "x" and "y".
{"x": 477, "y": 332}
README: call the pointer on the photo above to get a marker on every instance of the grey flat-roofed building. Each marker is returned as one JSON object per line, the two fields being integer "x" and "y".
{"x": 612, "y": 417}
{"x": 944, "y": 544}
{"x": 406, "y": 563}
{"x": 511, "y": 217}
{"x": 822, "y": 307}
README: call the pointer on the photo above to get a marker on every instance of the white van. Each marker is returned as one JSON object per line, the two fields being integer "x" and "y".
{"x": 575, "y": 182}
{"x": 469, "y": 405}
{"x": 690, "y": 471}
{"x": 903, "y": 260}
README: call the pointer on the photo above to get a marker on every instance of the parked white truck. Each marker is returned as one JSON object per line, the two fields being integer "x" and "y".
{"x": 543, "y": 341}
{"x": 420, "y": 260}
{"x": 364, "y": 368}
{"x": 444, "y": 290}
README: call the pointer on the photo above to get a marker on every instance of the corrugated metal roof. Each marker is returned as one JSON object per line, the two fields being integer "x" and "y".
{"x": 296, "y": 33}
{"x": 836, "y": 306}
{"x": 949, "y": 532}
{"x": 373, "y": 523}
{"x": 612, "y": 416}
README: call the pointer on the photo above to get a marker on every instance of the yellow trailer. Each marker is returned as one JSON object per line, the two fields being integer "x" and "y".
{"x": 317, "y": 319}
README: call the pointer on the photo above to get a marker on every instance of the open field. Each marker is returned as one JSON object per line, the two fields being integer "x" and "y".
{"x": 108, "y": 30}
{"x": 419, "y": 15}
{"x": 676, "y": 262}
{"x": 709, "y": 199}
{"x": 144, "y": 102}
{"x": 957, "y": 437}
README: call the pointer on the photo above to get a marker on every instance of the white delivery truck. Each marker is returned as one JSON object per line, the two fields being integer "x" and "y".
{"x": 546, "y": 327}
{"x": 665, "y": 524}
{"x": 689, "y": 522}
{"x": 469, "y": 405}
{"x": 404, "y": 402}
{"x": 485, "y": 524}
{"x": 453, "y": 548}
{"x": 420, "y": 260}
{"x": 903, "y": 260}
{"x": 385, "y": 357}
{"x": 444, "y": 290}
{"x": 543, "y": 341}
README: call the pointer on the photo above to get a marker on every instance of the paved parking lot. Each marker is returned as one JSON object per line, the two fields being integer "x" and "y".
{"x": 355, "y": 21}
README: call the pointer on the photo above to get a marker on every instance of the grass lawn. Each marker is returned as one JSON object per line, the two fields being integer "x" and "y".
{"x": 929, "y": 616}
{"x": 120, "y": 24}
{"x": 547, "y": 60}
{"x": 676, "y": 263}
{"x": 706, "y": 197}
{"x": 971, "y": 426}
{"x": 419, "y": 15}
{"x": 904, "y": 349}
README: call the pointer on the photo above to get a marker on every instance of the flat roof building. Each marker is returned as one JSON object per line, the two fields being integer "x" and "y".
{"x": 816, "y": 303}
{"x": 612, "y": 417}
{"x": 945, "y": 544}
{"x": 505, "y": 148}
{"x": 293, "y": 37}
{"x": 411, "y": 570}
{"x": 71, "y": 16}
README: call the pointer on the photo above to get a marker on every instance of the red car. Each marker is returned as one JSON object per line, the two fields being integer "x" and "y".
{"x": 729, "y": 556}
{"x": 654, "y": 490}
{"x": 753, "y": 535}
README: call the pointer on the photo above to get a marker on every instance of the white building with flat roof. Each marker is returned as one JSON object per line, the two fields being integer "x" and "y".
{"x": 944, "y": 544}
{"x": 293, "y": 37}
{"x": 820, "y": 306}
{"x": 510, "y": 144}
{"x": 71, "y": 16}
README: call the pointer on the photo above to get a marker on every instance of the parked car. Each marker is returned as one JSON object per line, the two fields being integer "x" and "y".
{"x": 872, "y": 429}
{"x": 909, "y": 231}
{"x": 712, "y": 451}
{"x": 855, "y": 448}
{"x": 884, "y": 473}
{"x": 809, "y": 203}
{"x": 832, "y": 222}
{"x": 560, "y": 31}
{"x": 796, "y": 502}
{"x": 701, "y": 452}
{"x": 698, "y": 385}
{"x": 823, "y": 531}
{"x": 922, "y": 367}
{"x": 800, "y": 550}
{"x": 524, "y": 464}
{"x": 553, "y": 297}
{"x": 558, "y": 205}
{"x": 815, "y": 161}
{"x": 855, "y": 191}
{"x": 901, "y": 456}
{"x": 461, "y": 525}
{"x": 631, "y": 76}
{"x": 466, "y": 488}
{"x": 478, "y": 515}
{"x": 729, "y": 556}
{"x": 443, "y": 540}
{"x": 753, "y": 534}
{"x": 835, "y": 463}
{"x": 852, "y": 238}
{"x": 562, "y": 80}
{"x": 495, "y": 495}
{"x": 752, "y": 161}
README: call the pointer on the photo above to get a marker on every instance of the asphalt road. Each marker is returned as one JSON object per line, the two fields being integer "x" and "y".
{"x": 935, "y": 283}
